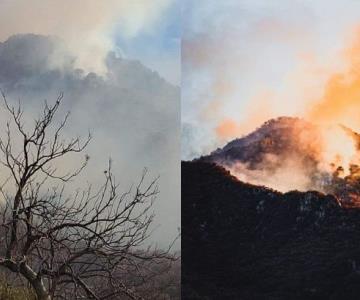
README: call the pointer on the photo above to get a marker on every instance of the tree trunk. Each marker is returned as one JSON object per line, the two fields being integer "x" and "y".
{"x": 36, "y": 282}
{"x": 40, "y": 290}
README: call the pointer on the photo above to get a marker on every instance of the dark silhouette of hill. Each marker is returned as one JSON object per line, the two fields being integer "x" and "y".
{"x": 241, "y": 241}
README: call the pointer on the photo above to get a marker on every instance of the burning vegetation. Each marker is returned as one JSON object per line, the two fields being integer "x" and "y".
{"x": 292, "y": 154}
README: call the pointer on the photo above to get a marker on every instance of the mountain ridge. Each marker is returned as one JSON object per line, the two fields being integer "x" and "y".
{"x": 290, "y": 153}
{"x": 242, "y": 241}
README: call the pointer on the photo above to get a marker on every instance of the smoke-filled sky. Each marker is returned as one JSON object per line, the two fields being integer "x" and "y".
{"x": 117, "y": 63}
{"x": 141, "y": 29}
{"x": 244, "y": 62}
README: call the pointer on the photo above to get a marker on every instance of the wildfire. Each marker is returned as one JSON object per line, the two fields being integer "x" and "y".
{"x": 321, "y": 156}
{"x": 339, "y": 151}
{"x": 293, "y": 154}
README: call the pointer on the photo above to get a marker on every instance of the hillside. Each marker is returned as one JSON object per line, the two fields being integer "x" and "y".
{"x": 292, "y": 154}
{"x": 242, "y": 241}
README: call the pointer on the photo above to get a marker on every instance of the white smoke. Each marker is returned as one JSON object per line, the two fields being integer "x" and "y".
{"x": 86, "y": 26}
{"x": 290, "y": 175}
{"x": 133, "y": 115}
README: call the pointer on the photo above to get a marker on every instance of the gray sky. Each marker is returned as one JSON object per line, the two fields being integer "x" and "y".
{"x": 132, "y": 111}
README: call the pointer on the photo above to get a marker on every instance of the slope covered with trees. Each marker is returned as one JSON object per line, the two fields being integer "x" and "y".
{"x": 242, "y": 241}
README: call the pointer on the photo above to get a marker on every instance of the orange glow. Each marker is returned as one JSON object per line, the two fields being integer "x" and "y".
{"x": 252, "y": 116}
{"x": 333, "y": 101}
{"x": 339, "y": 150}
{"x": 340, "y": 103}
{"x": 228, "y": 128}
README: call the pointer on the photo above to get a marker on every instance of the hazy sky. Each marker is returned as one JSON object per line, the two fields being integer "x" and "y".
{"x": 244, "y": 62}
{"x": 158, "y": 48}
{"x": 141, "y": 29}
{"x": 117, "y": 63}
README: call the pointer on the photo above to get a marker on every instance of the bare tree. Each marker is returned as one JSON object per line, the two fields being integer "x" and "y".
{"x": 69, "y": 245}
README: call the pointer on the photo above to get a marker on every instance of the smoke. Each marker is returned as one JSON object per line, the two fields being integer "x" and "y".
{"x": 87, "y": 27}
{"x": 340, "y": 149}
{"x": 324, "y": 94}
{"x": 289, "y": 175}
{"x": 258, "y": 111}
{"x": 132, "y": 113}
{"x": 340, "y": 102}
{"x": 246, "y": 62}
{"x": 335, "y": 151}
{"x": 276, "y": 61}
{"x": 246, "y": 59}
{"x": 292, "y": 154}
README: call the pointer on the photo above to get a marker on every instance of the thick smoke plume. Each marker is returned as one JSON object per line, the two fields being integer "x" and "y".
{"x": 87, "y": 26}
{"x": 132, "y": 113}
{"x": 340, "y": 102}
{"x": 334, "y": 150}
{"x": 293, "y": 154}
{"x": 289, "y": 175}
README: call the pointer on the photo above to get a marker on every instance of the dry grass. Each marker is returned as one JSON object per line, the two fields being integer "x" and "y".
{"x": 11, "y": 292}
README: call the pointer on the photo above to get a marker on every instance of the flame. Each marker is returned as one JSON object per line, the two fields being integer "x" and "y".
{"x": 340, "y": 104}
{"x": 334, "y": 148}
{"x": 339, "y": 151}
{"x": 319, "y": 155}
